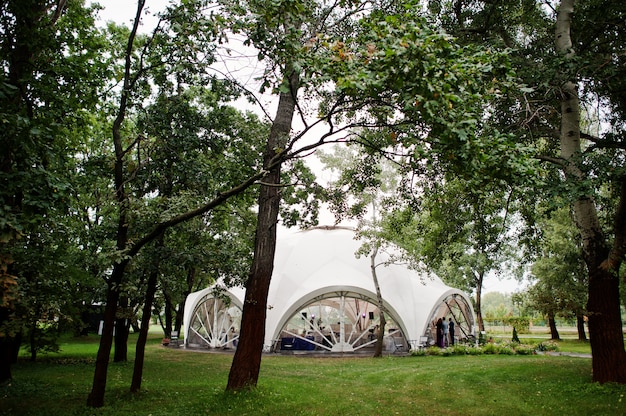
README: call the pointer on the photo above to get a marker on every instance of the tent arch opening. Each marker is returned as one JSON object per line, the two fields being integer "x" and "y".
{"x": 337, "y": 319}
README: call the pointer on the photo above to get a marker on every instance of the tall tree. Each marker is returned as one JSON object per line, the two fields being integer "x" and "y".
{"x": 387, "y": 70}
{"x": 576, "y": 50}
{"x": 194, "y": 134}
{"x": 462, "y": 232}
{"x": 176, "y": 53}
{"x": 602, "y": 258}
{"x": 561, "y": 286}
{"x": 364, "y": 188}
{"x": 47, "y": 51}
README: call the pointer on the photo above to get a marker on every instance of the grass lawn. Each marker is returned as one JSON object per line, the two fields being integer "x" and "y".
{"x": 179, "y": 382}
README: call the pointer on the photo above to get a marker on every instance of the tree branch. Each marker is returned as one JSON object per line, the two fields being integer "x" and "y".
{"x": 559, "y": 161}
{"x": 218, "y": 200}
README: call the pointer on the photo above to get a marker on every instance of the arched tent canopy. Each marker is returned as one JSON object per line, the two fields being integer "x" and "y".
{"x": 322, "y": 297}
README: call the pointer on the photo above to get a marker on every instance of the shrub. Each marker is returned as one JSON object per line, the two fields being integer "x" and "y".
{"x": 505, "y": 350}
{"x": 547, "y": 346}
{"x": 459, "y": 349}
{"x": 433, "y": 351}
{"x": 420, "y": 352}
{"x": 490, "y": 348}
{"x": 502, "y": 348}
{"x": 524, "y": 349}
{"x": 475, "y": 351}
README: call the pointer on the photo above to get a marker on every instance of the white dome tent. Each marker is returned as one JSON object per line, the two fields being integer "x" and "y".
{"x": 322, "y": 298}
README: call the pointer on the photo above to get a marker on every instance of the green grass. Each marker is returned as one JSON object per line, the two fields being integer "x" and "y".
{"x": 178, "y": 382}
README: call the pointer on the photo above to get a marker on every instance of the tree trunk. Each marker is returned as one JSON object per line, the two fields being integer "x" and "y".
{"x": 554, "y": 332}
{"x": 244, "y": 371}
{"x": 33, "y": 343}
{"x": 5, "y": 361}
{"x": 135, "y": 385}
{"x": 122, "y": 325}
{"x": 96, "y": 397}
{"x": 603, "y": 306}
{"x": 580, "y": 325}
{"x": 191, "y": 278}
{"x": 605, "y": 326}
{"x": 380, "y": 337}
{"x": 479, "y": 296}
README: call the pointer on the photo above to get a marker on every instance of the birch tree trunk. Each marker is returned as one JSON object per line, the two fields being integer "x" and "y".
{"x": 603, "y": 305}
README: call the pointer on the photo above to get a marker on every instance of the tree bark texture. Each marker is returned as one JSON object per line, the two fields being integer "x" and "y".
{"x": 603, "y": 305}
{"x": 479, "y": 297}
{"x": 554, "y": 332}
{"x": 380, "y": 336}
{"x": 140, "y": 349}
{"x": 122, "y": 328}
{"x": 96, "y": 396}
{"x": 580, "y": 325}
{"x": 244, "y": 371}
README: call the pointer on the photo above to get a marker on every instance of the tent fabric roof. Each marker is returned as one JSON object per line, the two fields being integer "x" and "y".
{"x": 322, "y": 260}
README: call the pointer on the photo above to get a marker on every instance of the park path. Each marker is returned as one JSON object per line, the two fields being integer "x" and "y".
{"x": 565, "y": 353}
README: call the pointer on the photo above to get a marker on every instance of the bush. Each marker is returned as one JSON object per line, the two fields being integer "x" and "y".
{"x": 459, "y": 349}
{"x": 501, "y": 348}
{"x": 547, "y": 346}
{"x": 433, "y": 351}
{"x": 525, "y": 349}
{"x": 490, "y": 348}
{"x": 505, "y": 350}
{"x": 475, "y": 351}
{"x": 418, "y": 352}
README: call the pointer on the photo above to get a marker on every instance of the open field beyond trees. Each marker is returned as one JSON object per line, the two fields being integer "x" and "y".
{"x": 179, "y": 382}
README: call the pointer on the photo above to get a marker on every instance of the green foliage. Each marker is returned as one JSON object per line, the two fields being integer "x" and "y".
{"x": 520, "y": 324}
{"x": 459, "y": 232}
{"x": 301, "y": 198}
{"x": 561, "y": 285}
{"x": 488, "y": 348}
{"x": 49, "y": 83}
{"x": 43, "y": 339}
{"x": 433, "y": 351}
{"x": 525, "y": 349}
{"x": 548, "y": 346}
{"x": 491, "y": 348}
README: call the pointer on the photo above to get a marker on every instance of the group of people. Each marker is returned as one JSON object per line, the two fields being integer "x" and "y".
{"x": 445, "y": 332}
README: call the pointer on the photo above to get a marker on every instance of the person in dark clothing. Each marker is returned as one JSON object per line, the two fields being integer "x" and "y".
{"x": 439, "y": 332}
{"x": 451, "y": 331}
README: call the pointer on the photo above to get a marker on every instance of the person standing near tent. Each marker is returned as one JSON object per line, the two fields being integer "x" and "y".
{"x": 445, "y": 342}
{"x": 451, "y": 331}
{"x": 439, "y": 333}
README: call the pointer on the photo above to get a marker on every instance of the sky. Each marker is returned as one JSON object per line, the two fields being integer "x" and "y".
{"x": 123, "y": 11}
